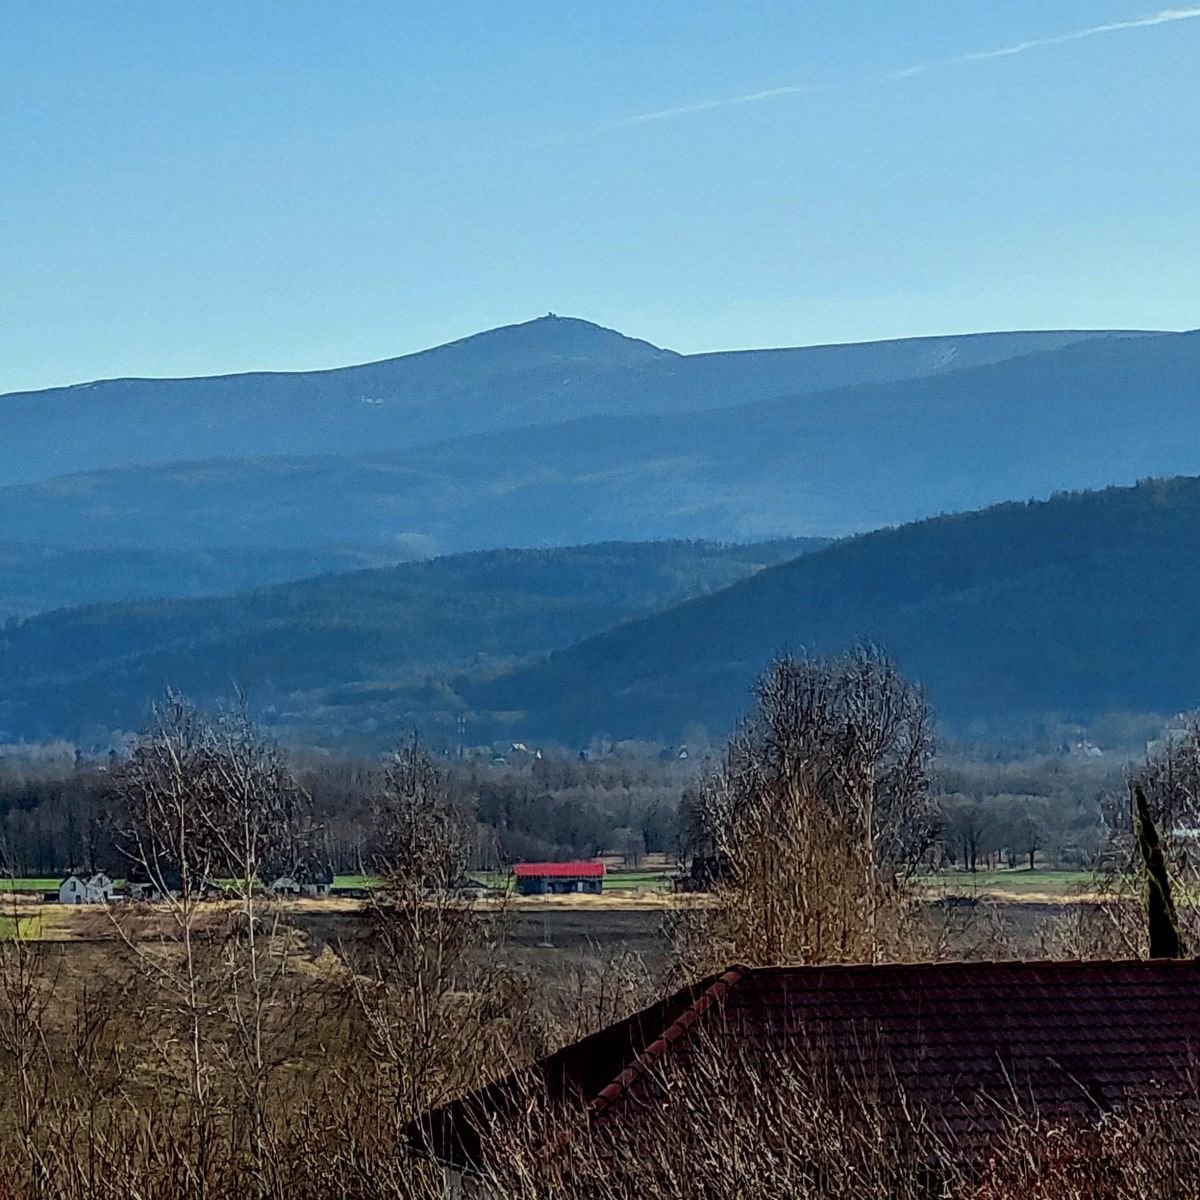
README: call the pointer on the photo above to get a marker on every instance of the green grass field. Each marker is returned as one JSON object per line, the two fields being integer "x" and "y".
{"x": 29, "y": 884}
{"x": 30, "y": 927}
{"x": 1016, "y": 882}
{"x": 355, "y": 881}
{"x": 644, "y": 880}
{"x": 656, "y": 881}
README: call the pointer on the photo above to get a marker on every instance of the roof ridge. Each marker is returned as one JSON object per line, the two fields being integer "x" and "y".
{"x": 712, "y": 994}
{"x": 972, "y": 963}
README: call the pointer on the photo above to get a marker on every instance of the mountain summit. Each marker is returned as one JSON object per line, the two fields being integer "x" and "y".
{"x": 553, "y": 336}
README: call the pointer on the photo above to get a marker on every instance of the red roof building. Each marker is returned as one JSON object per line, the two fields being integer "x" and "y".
{"x": 559, "y": 870}
{"x": 534, "y": 879}
{"x": 959, "y": 1044}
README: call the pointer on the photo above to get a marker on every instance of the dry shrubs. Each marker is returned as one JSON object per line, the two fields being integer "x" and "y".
{"x": 732, "y": 1126}
{"x": 90, "y": 1109}
{"x": 205, "y": 1052}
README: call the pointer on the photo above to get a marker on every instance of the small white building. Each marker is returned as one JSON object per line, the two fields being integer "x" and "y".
{"x": 93, "y": 889}
{"x": 72, "y": 890}
{"x": 310, "y": 879}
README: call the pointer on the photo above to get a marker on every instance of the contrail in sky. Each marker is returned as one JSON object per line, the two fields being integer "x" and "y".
{"x": 1166, "y": 16}
{"x": 683, "y": 110}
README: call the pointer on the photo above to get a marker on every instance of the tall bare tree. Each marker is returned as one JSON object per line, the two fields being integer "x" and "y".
{"x": 434, "y": 972}
{"x": 820, "y": 806}
{"x": 205, "y": 806}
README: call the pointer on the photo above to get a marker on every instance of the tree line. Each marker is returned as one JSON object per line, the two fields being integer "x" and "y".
{"x": 59, "y": 814}
{"x": 1040, "y": 810}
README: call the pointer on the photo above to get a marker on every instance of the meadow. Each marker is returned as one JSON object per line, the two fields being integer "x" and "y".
{"x": 25, "y": 883}
{"x": 1011, "y": 883}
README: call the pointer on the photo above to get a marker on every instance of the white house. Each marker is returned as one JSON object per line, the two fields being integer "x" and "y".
{"x": 72, "y": 890}
{"x": 95, "y": 889}
{"x": 310, "y": 878}
{"x": 101, "y": 888}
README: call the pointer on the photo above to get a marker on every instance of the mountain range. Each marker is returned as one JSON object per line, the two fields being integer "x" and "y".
{"x": 539, "y": 372}
{"x": 1096, "y": 411}
{"x": 210, "y": 532}
{"x": 37, "y": 577}
{"x": 1080, "y": 607}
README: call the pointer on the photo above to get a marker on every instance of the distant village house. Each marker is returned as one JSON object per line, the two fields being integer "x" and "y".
{"x": 86, "y": 889}
{"x": 310, "y": 879}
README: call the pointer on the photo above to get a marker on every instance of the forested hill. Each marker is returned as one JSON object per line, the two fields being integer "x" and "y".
{"x": 538, "y": 372}
{"x": 345, "y": 656}
{"x": 38, "y": 577}
{"x": 1082, "y": 604}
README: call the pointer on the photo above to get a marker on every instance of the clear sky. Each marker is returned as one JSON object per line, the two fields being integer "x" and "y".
{"x": 196, "y": 186}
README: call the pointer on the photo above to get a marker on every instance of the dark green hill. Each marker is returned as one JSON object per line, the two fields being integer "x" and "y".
{"x": 1083, "y": 604}
{"x": 35, "y": 578}
{"x": 350, "y": 654}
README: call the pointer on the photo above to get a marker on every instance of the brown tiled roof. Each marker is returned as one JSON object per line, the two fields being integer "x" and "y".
{"x": 962, "y": 1043}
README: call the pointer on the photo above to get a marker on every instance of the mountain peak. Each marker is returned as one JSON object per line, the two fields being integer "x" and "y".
{"x": 568, "y": 337}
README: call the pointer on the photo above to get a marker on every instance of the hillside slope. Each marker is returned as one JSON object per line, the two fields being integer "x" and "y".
{"x": 551, "y": 369}
{"x": 34, "y": 578}
{"x": 346, "y": 653}
{"x": 1087, "y": 415}
{"x": 1079, "y": 605}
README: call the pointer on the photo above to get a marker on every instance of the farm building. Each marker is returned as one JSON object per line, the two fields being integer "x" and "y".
{"x": 541, "y": 879}
{"x": 309, "y": 878}
{"x": 96, "y": 888}
{"x": 956, "y": 1047}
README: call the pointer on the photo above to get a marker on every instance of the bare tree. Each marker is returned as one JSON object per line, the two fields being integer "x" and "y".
{"x": 1169, "y": 783}
{"x": 435, "y": 978}
{"x": 26, "y": 992}
{"x": 819, "y": 808}
{"x": 629, "y": 844}
{"x": 204, "y": 806}
{"x": 1030, "y": 824}
{"x": 422, "y": 831}
{"x": 967, "y": 821}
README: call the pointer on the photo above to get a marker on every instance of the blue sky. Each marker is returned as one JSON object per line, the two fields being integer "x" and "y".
{"x": 201, "y": 186}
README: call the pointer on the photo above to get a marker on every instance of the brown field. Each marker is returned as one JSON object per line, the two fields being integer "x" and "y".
{"x": 545, "y": 936}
